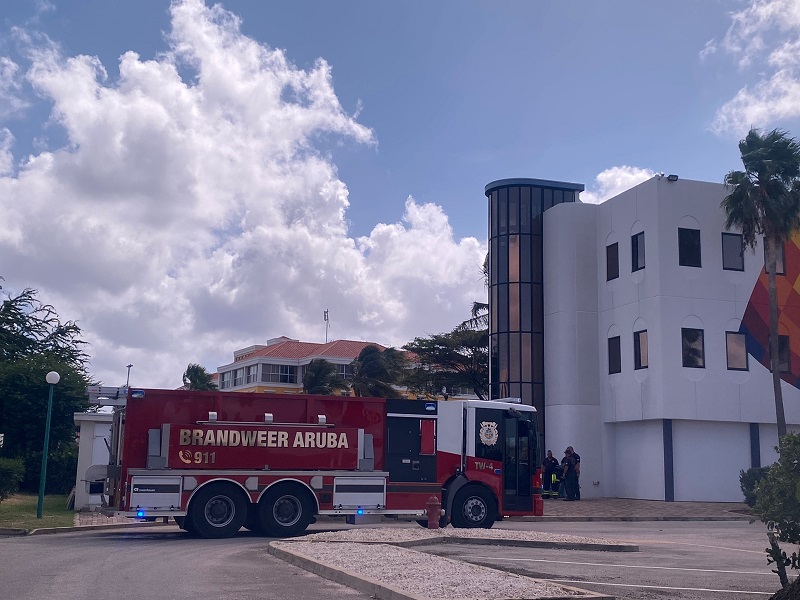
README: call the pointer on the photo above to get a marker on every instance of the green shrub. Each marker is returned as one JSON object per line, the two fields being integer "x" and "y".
{"x": 778, "y": 505}
{"x": 748, "y": 480}
{"x": 62, "y": 465}
{"x": 11, "y": 472}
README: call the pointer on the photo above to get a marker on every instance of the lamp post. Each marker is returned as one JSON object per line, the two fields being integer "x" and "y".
{"x": 52, "y": 378}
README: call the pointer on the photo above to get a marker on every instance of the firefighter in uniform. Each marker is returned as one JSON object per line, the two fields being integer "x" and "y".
{"x": 550, "y": 480}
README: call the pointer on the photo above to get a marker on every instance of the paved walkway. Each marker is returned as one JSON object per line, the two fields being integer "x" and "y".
{"x": 623, "y": 508}
{"x": 594, "y": 508}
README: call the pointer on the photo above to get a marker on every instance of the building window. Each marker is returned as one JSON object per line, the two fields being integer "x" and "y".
{"x": 689, "y": 247}
{"x": 693, "y": 348}
{"x": 732, "y": 252}
{"x": 612, "y": 261}
{"x": 779, "y": 260}
{"x": 279, "y": 373}
{"x": 252, "y": 374}
{"x": 640, "y": 349}
{"x": 736, "y": 349}
{"x": 345, "y": 371}
{"x": 239, "y": 377}
{"x": 614, "y": 356}
{"x": 783, "y": 353}
{"x": 637, "y": 251}
{"x": 225, "y": 380}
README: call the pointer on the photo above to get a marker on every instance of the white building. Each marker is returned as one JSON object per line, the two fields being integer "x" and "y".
{"x": 95, "y": 436}
{"x": 645, "y": 367}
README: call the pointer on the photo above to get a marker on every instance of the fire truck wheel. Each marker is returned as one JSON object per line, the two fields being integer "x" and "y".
{"x": 473, "y": 507}
{"x": 285, "y": 511}
{"x": 251, "y": 522}
{"x": 217, "y": 510}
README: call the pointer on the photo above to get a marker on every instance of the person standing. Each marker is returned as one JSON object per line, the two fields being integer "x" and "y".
{"x": 550, "y": 477}
{"x": 570, "y": 475}
{"x": 577, "y": 458}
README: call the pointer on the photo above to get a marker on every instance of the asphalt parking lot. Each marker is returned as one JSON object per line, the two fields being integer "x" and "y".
{"x": 680, "y": 560}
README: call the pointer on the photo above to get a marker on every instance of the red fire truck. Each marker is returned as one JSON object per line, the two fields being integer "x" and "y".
{"x": 218, "y": 461}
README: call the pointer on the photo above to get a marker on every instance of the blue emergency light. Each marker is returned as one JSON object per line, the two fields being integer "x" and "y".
{"x": 140, "y": 513}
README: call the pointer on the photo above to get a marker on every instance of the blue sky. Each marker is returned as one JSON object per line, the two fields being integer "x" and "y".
{"x": 225, "y": 187}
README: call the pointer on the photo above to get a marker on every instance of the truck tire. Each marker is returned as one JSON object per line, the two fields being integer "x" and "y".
{"x": 474, "y": 507}
{"x": 217, "y": 510}
{"x": 285, "y": 511}
{"x": 251, "y": 522}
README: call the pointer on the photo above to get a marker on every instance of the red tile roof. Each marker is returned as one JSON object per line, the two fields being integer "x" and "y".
{"x": 293, "y": 349}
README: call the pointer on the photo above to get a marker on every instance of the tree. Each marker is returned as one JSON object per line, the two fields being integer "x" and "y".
{"x": 480, "y": 310}
{"x": 197, "y": 378}
{"x": 778, "y": 503}
{"x": 765, "y": 200}
{"x": 375, "y": 372}
{"x": 28, "y": 327}
{"x": 33, "y": 341}
{"x": 322, "y": 377}
{"x": 450, "y": 360}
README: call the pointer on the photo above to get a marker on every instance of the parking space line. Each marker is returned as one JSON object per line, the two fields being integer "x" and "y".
{"x": 654, "y": 587}
{"x": 690, "y": 544}
{"x": 567, "y": 562}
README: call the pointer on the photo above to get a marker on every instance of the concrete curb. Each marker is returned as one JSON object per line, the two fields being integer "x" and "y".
{"x": 525, "y": 544}
{"x": 12, "y": 531}
{"x": 54, "y": 530}
{"x": 363, "y": 584}
{"x": 377, "y": 589}
{"x": 590, "y": 519}
{"x": 589, "y": 546}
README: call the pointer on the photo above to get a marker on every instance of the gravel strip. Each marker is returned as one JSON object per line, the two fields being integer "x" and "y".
{"x": 391, "y": 535}
{"x": 433, "y": 577}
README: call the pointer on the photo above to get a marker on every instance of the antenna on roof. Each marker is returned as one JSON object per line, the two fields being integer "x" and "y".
{"x": 327, "y": 324}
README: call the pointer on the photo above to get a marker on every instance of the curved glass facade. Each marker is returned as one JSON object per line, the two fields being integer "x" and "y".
{"x": 516, "y": 299}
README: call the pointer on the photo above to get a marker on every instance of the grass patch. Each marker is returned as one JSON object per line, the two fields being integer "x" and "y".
{"x": 19, "y": 511}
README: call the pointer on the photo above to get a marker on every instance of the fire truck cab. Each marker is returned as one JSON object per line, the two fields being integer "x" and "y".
{"x": 218, "y": 461}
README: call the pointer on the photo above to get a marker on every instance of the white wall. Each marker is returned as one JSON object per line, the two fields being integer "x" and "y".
{"x": 92, "y": 450}
{"x": 572, "y": 385}
{"x": 578, "y": 426}
{"x": 707, "y": 458}
{"x": 638, "y": 460}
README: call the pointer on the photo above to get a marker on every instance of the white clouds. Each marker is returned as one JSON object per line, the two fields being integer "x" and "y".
{"x": 11, "y": 101}
{"x": 190, "y": 216}
{"x": 614, "y": 181}
{"x": 765, "y": 33}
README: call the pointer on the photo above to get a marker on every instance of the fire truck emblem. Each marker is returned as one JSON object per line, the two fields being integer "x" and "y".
{"x": 488, "y": 433}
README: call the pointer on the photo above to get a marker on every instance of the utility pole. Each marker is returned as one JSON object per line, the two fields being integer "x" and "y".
{"x": 327, "y": 324}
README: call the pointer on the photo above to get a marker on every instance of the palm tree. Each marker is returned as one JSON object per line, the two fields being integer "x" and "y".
{"x": 197, "y": 378}
{"x": 480, "y": 310}
{"x": 322, "y": 377}
{"x": 375, "y": 372}
{"x": 765, "y": 200}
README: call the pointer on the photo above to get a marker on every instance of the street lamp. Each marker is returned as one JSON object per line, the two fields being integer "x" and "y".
{"x": 52, "y": 378}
